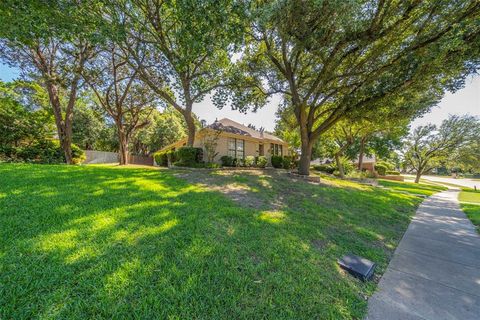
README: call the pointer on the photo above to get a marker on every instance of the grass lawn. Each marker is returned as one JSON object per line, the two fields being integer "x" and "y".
{"x": 470, "y": 203}
{"x": 411, "y": 187}
{"x": 81, "y": 242}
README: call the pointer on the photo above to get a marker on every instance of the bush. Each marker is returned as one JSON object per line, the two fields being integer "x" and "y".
{"x": 276, "y": 161}
{"x": 249, "y": 161}
{"x": 324, "y": 168}
{"x": 78, "y": 155}
{"x": 199, "y": 155}
{"x": 390, "y": 166}
{"x": 227, "y": 161}
{"x": 47, "y": 151}
{"x": 393, "y": 173}
{"x": 161, "y": 158}
{"x": 187, "y": 156}
{"x": 287, "y": 163}
{"x": 261, "y": 161}
{"x": 381, "y": 169}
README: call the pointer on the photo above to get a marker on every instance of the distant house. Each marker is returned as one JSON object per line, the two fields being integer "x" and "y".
{"x": 235, "y": 140}
{"x": 368, "y": 163}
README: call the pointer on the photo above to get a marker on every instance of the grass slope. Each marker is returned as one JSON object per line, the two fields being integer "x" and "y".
{"x": 470, "y": 203}
{"x": 411, "y": 187}
{"x": 108, "y": 242}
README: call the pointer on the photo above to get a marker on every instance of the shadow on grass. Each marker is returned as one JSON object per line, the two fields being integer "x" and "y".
{"x": 98, "y": 242}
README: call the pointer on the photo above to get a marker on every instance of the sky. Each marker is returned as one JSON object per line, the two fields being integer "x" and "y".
{"x": 464, "y": 101}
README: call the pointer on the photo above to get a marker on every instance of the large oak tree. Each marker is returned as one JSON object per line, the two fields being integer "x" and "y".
{"x": 179, "y": 48}
{"x": 51, "y": 44}
{"x": 339, "y": 59}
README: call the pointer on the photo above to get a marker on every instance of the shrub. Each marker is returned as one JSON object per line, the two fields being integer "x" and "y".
{"x": 187, "y": 156}
{"x": 393, "y": 173}
{"x": 249, "y": 161}
{"x": 348, "y": 166}
{"x": 161, "y": 158}
{"x": 276, "y": 161}
{"x": 227, "y": 161}
{"x": 324, "y": 168}
{"x": 287, "y": 163}
{"x": 48, "y": 151}
{"x": 78, "y": 155}
{"x": 390, "y": 166}
{"x": 199, "y": 155}
{"x": 261, "y": 161}
{"x": 381, "y": 169}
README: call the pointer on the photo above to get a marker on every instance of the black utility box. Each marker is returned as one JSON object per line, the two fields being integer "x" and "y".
{"x": 357, "y": 266}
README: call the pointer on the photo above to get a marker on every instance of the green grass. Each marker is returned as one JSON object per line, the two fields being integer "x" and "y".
{"x": 470, "y": 203}
{"x": 411, "y": 187}
{"x": 110, "y": 242}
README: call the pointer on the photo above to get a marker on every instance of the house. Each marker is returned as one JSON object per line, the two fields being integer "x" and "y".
{"x": 368, "y": 163}
{"x": 235, "y": 140}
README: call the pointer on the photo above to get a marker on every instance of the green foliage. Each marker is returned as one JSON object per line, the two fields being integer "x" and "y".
{"x": 227, "y": 161}
{"x": 429, "y": 146}
{"x": 327, "y": 168}
{"x": 386, "y": 164}
{"x": 287, "y": 163}
{"x": 24, "y": 114}
{"x": 261, "y": 161}
{"x": 88, "y": 126}
{"x": 187, "y": 156}
{"x": 249, "y": 161}
{"x": 392, "y": 173}
{"x": 276, "y": 161}
{"x": 46, "y": 151}
{"x": 381, "y": 169}
{"x": 163, "y": 129}
{"x": 161, "y": 158}
{"x": 383, "y": 59}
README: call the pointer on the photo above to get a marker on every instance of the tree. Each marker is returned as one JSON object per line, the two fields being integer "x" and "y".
{"x": 336, "y": 60}
{"x": 88, "y": 124}
{"x": 24, "y": 117}
{"x": 179, "y": 48}
{"x": 165, "y": 128}
{"x": 120, "y": 94}
{"x": 210, "y": 143}
{"x": 54, "y": 51}
{"x": 427, "y": 145}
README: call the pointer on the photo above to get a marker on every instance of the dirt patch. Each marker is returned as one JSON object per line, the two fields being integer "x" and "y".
{"x": 244, "y": 187}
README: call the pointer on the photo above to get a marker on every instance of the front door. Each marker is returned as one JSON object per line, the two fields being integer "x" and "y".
{"x": 260, "y": 150}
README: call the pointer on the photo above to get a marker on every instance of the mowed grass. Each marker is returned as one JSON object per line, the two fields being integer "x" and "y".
{"x": 411, "y": 187}
{"x": 470, "y": 203}
{"x": 79, "y": 242}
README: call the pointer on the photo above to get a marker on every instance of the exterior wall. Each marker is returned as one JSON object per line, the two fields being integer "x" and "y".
{"x": 252, "y": 145}
{"x": 369, "y": 166}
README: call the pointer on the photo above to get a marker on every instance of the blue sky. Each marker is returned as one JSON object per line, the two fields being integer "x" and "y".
{"x": 464, "y": 101}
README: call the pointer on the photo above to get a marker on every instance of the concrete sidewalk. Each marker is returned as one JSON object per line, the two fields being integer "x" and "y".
{"x": 435, "y": 271}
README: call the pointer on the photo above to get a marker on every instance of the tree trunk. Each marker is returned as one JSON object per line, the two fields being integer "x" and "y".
{"x": 123, "y": 146}
{"x": 361, "y": 154}
{"x": 419, "y": 174}
{"x": 62, "y": 130}
{"x": 339, "y": 165}
{"x": 305, "y": 157}
{"x": 191, "y": 128}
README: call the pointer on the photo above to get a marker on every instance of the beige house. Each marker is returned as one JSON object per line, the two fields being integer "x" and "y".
{"x": 235, "y": 140}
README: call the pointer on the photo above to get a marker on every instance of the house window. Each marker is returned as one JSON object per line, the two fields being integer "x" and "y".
{"x": 276, "y": 149}
{"x": 236, "y": 148}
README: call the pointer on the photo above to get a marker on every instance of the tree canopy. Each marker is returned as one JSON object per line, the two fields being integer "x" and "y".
{"x": 332, "y": 60}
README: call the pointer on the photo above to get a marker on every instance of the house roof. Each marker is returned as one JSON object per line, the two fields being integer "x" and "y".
{"x": 231, "y": 126}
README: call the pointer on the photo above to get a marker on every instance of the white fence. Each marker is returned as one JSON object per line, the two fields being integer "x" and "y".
{"x": 100, "y": 157}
